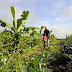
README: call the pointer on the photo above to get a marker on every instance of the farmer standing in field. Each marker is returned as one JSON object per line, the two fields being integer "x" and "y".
{"x": 47, "y": 32}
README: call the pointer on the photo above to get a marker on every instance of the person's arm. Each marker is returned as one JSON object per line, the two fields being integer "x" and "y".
{"x": 44, "y": 31}
{"x": 49, "y": 35}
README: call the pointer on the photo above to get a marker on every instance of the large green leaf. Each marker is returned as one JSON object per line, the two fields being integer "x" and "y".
{"x": 33, "y": 28}
{"x": 13, "y": 28}
{"x": 36, "y": 64}
{"x": 13, "y": 23}
{"x": 50, "y": 31}
{"x": 40, "y": 31}
{"x": 3, "y": 23}
{"x": 13, "y": 10}
{"x": 19, "y": 23}
{"x": 42, "y": 27}
{"x": 25, "y": 15}
{"x": 33, "y": 33}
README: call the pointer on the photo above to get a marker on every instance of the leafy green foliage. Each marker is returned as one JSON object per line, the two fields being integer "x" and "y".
{"x": 53, "y": 37}
{"x": 69, "y": 67}
{"x": 36, "y": 67}
{"x": 16, "y": 23}
{"x": 13, "y": 55}
{"x": 24, "y": 15}
{"x": 69, "y": 38}
{"x": 19, "y": 23}
{"x": 33, "y": 33}
{"x": 13, "y": 10}
{"x": 3, "y": 24}
{"x": 42, "y": 27}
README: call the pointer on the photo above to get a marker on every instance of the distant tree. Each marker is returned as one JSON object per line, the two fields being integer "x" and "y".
{"x": 69, "y": 38}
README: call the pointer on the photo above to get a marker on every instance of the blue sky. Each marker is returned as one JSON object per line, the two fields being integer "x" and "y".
{"x": 55, "y": 14}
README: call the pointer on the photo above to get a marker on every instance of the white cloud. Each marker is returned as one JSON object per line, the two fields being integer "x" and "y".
{"x": 47, "y": 11}
{"x": 58, "y": 19}
{"x": 68, "y": 11}
{"x": 61, "y": 31}
{"x": 32, "y": 16}
{"x": 59, "y": 4}
{"x": 5, "y": 11}
{"x": 43, "y": 21}
{"x": 52, "y": 7}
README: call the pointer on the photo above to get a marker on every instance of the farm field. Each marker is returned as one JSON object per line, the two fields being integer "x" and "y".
{"x": 27, "y": 58}
{"x": 21, "y": 49}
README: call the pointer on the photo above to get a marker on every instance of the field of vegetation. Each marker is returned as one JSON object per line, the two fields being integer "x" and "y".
{"x": 21, "y": 49}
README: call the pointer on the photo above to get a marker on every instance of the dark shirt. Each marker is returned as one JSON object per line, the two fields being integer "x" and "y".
{"x": 46, "y": 32}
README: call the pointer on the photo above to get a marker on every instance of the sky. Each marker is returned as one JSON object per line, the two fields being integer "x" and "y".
{"x": 55, "y": 14}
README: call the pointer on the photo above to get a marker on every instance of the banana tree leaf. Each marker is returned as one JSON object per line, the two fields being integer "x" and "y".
{"x": 13, "y": 28}
{"x": 50, "y": 31}
{"x": 42, "y": 27}
{"x": 19, "y": 23}
{"x": 3, "y": 24}
{"x": 23, "y": 26}
{"x": 13, "y": 23}
{"x": 25, "y": 15}
{"x": 13, "y": 10}
{"x": 33, "y": 28}
{"x": 40, "y": 31}
{"x": 33, "y": 33}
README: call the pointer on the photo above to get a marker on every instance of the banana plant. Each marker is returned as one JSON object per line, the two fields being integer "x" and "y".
{"x": 30, "y": 30}
{"x": 34, "y": 31}
{"x": 17, "y": 23}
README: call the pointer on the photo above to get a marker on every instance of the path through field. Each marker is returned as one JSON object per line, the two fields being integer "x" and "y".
{"x": 27, "y": 54}
{"x": 34, "y": 52}
{"x": 2, "y": 45}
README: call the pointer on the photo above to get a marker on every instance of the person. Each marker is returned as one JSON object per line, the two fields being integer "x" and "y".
{"x": 44, "y": 39}
{"x": 47, "y": 32}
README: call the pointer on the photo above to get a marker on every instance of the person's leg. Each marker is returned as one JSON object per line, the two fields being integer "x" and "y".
{"x": 44, "y": 45}
{"x": 47, "y": 41}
